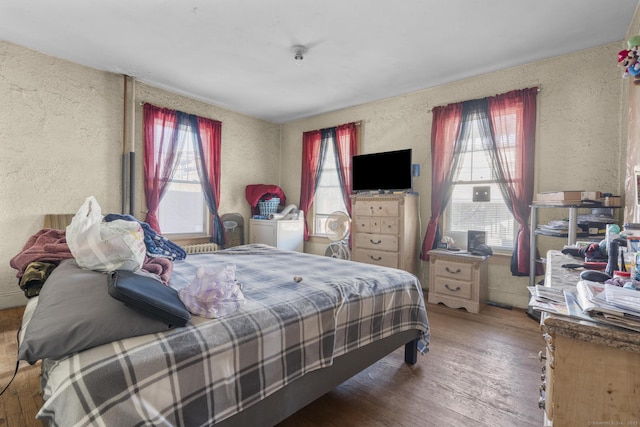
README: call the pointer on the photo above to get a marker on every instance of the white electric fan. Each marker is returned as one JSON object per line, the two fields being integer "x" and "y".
{"x": 337, "y": 229}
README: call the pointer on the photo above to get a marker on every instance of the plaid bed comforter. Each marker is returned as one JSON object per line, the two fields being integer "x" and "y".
{"x": 213, "y": 368}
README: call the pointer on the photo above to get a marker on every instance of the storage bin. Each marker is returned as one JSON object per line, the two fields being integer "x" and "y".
{"x": 269, "y": 206}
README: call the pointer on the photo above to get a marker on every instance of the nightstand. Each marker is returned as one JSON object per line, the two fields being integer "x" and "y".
{"x": 458, "y": 280}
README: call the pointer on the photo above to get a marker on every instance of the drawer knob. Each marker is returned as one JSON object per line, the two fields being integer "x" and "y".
{"x": 375, "y": 243}
{"x": 541, "y": 356}
{"x": 453, "y": 272}
{"x": 375, "y": 258}
{"x": 457, "y": 288}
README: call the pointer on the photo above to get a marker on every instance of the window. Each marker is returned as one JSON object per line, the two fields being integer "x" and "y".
{"x": 182, "y": 173}
{"x": 326, "y": 174}
{"x": 506, "y": 126}
{"x": 328, "y": 198}
{"x": 182, "y": 209}
{"x": 493, "y": 216}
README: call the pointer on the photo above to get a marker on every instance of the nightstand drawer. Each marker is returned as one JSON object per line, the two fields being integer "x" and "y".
{"x": 453, "y": 270}
{"x": 453, "y": 288}
{"x": 386, "y": 259}
{"x": 381, "y": 242}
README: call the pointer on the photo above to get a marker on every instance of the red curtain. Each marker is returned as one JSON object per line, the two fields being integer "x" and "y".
{"x": 445, "y": 129}
{"x": 210, "y": 143}
{"x": 347, "y": 146}
{"x": 159, "y": 157}
{"x": 311, "y": 142}
{"x": 514, "y": 113}
{"x": 162, "y": 152}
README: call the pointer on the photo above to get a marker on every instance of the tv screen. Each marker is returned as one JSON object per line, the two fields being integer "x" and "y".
{"x": 387, "y": 171}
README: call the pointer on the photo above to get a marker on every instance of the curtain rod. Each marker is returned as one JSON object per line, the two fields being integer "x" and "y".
{"x": 455, "y": 102}
{"x": 357, "y": 123}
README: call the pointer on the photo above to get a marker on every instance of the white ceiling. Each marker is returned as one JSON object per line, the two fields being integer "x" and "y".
{"x": 237, "y": 53}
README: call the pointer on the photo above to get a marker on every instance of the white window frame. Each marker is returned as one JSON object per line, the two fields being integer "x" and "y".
{"x": 496, "y": 194}
{"x": 192, "y": 178}
{"x": 328, "y": 166}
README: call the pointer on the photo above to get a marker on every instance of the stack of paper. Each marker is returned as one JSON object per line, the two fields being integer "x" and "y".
{"x": 610, "y": 304}
{"x": 550, "y": 300}
{"x": 559, "y": 228}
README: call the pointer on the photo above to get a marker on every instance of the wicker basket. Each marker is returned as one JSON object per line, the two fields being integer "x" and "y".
{"x": 269, "y": 206}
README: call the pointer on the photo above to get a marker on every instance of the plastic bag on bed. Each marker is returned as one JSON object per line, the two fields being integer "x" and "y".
{"x": 104, "y": 246}
{"x": 213, "y": 293}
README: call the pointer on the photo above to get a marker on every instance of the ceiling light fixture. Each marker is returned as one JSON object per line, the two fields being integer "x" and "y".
{"x": 298, "y": 53}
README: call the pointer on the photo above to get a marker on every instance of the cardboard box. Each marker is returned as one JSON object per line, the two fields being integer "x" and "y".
{"x": 559, "y": 196}
{"x": 591, "y": 195}
{"x": 612, "y": 201}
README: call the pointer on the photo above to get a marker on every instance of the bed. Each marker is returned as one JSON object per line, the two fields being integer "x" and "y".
{"x": 308, "y": 323}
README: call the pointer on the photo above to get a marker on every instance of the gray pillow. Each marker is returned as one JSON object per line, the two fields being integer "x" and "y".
{"x": 74, "y": 312}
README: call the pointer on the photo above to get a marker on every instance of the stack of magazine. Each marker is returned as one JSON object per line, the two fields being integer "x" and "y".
{"x": 596, "y": 302}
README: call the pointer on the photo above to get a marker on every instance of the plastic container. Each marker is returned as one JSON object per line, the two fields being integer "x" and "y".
{"x": 229, "y": 225}
{"x": 622, "y": 274}
{"x": 612, "y": 232}
{"x": 269, "y": 206}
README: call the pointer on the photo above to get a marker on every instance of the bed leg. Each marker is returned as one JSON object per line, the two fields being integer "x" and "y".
{"x": 411, "y": 352}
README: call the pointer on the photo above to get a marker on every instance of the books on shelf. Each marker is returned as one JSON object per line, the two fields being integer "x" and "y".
{"x": 581, "y": 198}
{"x": 557, "y": 202}
{"x": 558, "y": 228}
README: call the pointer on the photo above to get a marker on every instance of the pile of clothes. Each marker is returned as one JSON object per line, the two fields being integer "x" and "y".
{"x": 43, "y": 251}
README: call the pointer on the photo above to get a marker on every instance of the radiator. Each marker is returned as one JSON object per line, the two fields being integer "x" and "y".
{"x": 200, "y": 248}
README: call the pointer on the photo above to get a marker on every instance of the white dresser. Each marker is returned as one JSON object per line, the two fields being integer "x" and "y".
{"x": 384, "y": 230}
{"x": 283, "y": 234}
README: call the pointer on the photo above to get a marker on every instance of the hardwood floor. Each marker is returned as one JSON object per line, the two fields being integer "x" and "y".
{"x": 481, "y": 370}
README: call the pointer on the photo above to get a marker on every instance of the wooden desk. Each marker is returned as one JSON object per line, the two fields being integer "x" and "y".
{"x": 591, "y": 372}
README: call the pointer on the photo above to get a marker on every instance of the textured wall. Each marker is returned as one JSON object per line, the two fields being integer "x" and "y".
{"x": 578, "y": 135}
{"x": 57, "y": 118}
{"x": 61, "y": 134}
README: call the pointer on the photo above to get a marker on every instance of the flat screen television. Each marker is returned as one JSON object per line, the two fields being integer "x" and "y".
{"x": 386, "y": 171}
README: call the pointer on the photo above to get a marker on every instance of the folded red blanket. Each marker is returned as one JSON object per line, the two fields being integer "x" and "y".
{"x": 48, "y": 245}
{"x": 161, "y": 266}
{"x": 255, "y": 192}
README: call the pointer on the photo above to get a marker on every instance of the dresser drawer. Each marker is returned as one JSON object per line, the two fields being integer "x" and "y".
{"x": 453, "y": 270}
{"x": 362, "y": 224}
{"x": 369, "y": 256}
{"x": 377, "y": 208}
{"x": 452, "y": 287}
{"x": 372, "y": 224}
{"x": 382, "y": 242}
{"x": 386, "y": 225}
